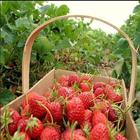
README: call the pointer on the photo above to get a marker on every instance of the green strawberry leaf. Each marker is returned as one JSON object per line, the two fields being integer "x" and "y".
{"x": 31, "y": 123}
{"x": 6, "y": 96}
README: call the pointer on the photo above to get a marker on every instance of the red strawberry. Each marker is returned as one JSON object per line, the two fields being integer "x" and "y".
{"x": 75, "y": 110}
{"x": 36, "y": 108}
{"x": 107, "y": 88}
{"x": 34, "y": 127}
{"x": 98, "y": 92}
{"x": 77, "y": 135}
{"x": 66, "y": 92}
{"x": 112, "y": 83}
{"x": 87, "y": 119}
{"x": 79, "y": 132}
{"x": 14, "y": 118}
{"x": 63, "y": 80}
{"x": 20, "y": 136}
{"x": 50, "y": 133}
{"x": 73, "y": 78}
{"x": 102, "y": 105}
{"x": 113, "y": 97}
{"x": 98, "y": 84}
{"x": 84, "y": 87}
{"x": 98, "y": 117}
{"x": 22, "y": 123}
{"x": 99, "y": 132}
{"x": 28, "y": 96}
{"x": 112, "y": 115}
{"x": 56, "y": 110}
{"x": 120, "y": 137}
{"x": 87, "y": 99}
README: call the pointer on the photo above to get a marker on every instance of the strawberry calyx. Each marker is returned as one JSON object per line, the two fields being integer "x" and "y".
{"x": 32, "y": 122}
{"x": 70, "y": 126}
{"x": 5, "y": 120}
{"x": 86, "y": 130}
{"x": 6, "y": 117}
{"x": 73, "y": 126}
{"x": 20, "y": 135}
{"x": 76, "y": 87}
{"x": 112, "y": 132}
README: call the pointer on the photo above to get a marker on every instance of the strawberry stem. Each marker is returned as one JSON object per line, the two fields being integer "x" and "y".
{"x": 26, "y": 98}
{"x": 129, "y": 106}
{"x": 64, "y": 122}
{"x": 48, "y": 111}
{"x": 117, "y": 107}
{"x": 72, "y": 129}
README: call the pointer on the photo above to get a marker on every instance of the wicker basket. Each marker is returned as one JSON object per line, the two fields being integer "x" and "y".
{"x": 47, "y": 80}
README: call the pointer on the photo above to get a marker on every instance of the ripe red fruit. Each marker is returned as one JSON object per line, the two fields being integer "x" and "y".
{"x": 120, "y": 137}
{"x": 22, "y": 123}
{"x": 87, "y": 99}
{"x": 66, "y": 92}
{"x": 79, "y": 132}
{"x": 112, "y": 83}
{"x": 14, "y": 118}
{"x": 99, "y": 132}
{"x": 112, "y": 115}
{"x": 77, "y": 135}
{"x": 98, "y": 117}
{"x": 50, "y": 133}
{"x": 102, "y": 105}
{"x": 113, "y": 97}
{"x": 34, "y": 127}
{"x": 63, "y": 80}
{"x": 98, "y": 84}
{"x": 84, "y": 87}
{"x": 75, "y": 110}
{"x": 36, "y": 108}
{"x": 56, "y": 111}
{"x": 28, "y": 96}
{"x": 98, "y": 92}
{"x": 87, "y": 119}
{"x": 63, "y": 91}
{"x": 73, "y": 78}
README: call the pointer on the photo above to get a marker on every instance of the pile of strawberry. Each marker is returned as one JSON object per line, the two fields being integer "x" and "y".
{"x": 74, "y": 108}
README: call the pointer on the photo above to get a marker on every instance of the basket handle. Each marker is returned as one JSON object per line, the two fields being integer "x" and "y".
{"x": 35, "y": 33}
